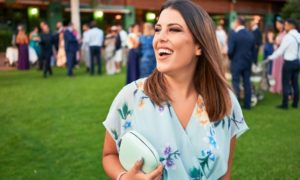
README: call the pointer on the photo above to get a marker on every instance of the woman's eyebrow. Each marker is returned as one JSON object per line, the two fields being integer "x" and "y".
{"x": 174, "y": 24}
{"x": 170, "y": 24}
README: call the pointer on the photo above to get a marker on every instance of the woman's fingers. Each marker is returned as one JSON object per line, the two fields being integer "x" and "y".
{"x": 156, "y": 173}
{"x": 138, "y": 165}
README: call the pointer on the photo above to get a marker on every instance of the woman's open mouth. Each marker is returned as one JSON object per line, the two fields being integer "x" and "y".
{"x": 164, "y": 52}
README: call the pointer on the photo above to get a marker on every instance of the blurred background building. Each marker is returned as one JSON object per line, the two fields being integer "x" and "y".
{"x": 124, "y": 12}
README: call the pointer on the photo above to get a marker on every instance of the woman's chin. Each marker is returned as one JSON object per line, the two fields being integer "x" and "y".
{"x": 162, "y": 69}
{"x": 165, "y": 71}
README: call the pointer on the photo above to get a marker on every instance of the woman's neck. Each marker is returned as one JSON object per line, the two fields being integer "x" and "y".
{"x": 180, "y": 86}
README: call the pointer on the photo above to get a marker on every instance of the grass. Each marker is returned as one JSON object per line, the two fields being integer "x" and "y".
{"x": 52, "y": 129}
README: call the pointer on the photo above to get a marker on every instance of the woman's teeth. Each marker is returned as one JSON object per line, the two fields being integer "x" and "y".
{"x": 162, "y": 52}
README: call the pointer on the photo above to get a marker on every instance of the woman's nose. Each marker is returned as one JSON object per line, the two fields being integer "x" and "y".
{"x": 162, "y": 36}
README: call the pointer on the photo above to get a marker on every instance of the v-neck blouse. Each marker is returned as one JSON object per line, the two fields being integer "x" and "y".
{"x": 200, "y": 151}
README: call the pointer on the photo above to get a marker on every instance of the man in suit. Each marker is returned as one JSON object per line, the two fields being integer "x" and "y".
{"x": 71, "y": 47}
{"x": 241, "y": 53}
{"x": 257, "y": 38}
{"x": 46, "y": 47}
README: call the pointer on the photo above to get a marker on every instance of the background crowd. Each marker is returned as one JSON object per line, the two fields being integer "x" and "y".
{"x": 132, "y": 48}
{"x": 240, "y": 50}
{"x": 66, "y": 48}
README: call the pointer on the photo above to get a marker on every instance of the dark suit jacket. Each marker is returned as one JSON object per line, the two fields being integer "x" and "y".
{"x": 56, "y": 40}
{"x": 46, "y": 45}
{"x": 257, "y": 37}
{"x": 71, "y": 44}
{"x": 241, "y": 49}
{"x": 258, "y": 42}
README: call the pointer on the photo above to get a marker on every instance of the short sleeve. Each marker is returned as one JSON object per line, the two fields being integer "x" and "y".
{"x": 119, "y": 116}
{"x": 238, "y": 124}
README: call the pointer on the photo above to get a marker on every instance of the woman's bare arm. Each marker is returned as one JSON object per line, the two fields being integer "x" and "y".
{"x": 111, "y": 163}
{"x": 232, "y": 145}
{"x": 113, "y": 168}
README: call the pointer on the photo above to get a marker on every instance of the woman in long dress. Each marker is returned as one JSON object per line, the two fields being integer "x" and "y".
{"x": 22, "y": 42}
{"x": 85, "y": 49}
{"x": 222, "y": 40}
{"x": 34, "y": 38}
{"x": 109, "y": 52}
{"x": 278, "y": 63}
{"x": 133, "y": 56}
{"x": 147, "y": 60}
{"x": 61, "y": 54}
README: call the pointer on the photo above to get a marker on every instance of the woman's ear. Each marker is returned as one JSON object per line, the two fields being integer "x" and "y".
{"x": 198, "y": 51}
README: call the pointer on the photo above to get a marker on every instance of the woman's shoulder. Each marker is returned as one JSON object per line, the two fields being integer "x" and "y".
{"x": 234, "y": 101}
{"x": 132, "y": 89}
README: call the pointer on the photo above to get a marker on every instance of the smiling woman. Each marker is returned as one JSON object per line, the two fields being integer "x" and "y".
{"x": 185, "y": 108}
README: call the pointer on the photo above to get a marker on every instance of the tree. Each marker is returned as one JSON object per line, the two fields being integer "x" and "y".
{"x": 291, "y": 9}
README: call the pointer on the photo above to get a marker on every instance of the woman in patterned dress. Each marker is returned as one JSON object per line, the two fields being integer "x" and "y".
{"x": 185, "y": 108}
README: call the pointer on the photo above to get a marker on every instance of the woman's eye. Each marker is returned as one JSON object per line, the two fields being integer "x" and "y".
{"x": 175, "y": 30}
{"x": 156, "y": 29}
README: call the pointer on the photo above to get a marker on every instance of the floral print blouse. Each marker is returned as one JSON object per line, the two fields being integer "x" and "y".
{"x": 200, "y": 151}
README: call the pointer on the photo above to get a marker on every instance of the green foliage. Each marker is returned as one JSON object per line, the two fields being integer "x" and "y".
{"x": 5, "y": 39}
{"x": 52, "y": 129}
{"x": 291, "y": 9}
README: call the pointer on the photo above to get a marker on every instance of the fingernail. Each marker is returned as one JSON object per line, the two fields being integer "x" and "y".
{"x": 141, "y": 160}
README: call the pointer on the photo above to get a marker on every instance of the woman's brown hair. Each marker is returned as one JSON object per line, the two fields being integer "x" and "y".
{"x": 209, "y": 79}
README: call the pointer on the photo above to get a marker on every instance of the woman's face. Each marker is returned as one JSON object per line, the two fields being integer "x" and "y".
{"x": 136, "y": 29}
{"x": 288, "y": 26}
{"x": 174, "y": 47}
{"x": 270, "y": 36}
{"x": 279, "y": 26}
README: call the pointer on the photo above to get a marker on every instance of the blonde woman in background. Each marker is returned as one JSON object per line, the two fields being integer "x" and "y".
{"x": 147, "y": 60}
{"x": 109, "y": 52}
{"x": 61, "y": 54}
{"x": 22, "y": 42}
{"x": 222, "y": 40}
{"x": 85, "y": 49}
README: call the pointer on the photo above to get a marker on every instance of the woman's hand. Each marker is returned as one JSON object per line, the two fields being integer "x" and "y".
{"x": 135, "y": 173}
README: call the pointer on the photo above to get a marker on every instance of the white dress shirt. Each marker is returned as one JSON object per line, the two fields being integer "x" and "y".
{"x": 95, "y": 37}
{"x": 221, "y": 36}
{"x": 254, "y": 27}
{"x": 239, "y": 28}
{"x": 288, "y": 47}
{"x": 123, "y": 36}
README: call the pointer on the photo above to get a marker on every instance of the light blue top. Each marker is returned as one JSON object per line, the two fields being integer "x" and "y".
{"x": 200, "y": 151}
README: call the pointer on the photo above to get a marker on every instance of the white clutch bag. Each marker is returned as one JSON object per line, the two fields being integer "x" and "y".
{"x": 134, "y": 147}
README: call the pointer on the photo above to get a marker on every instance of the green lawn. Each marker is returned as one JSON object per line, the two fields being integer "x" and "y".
{"x": 52, "y": 129}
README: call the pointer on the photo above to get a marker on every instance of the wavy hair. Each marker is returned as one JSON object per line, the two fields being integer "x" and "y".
{"x": 209, "y": 79}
